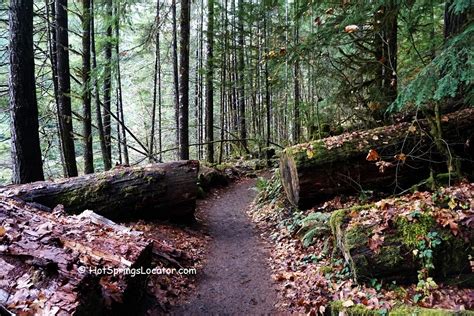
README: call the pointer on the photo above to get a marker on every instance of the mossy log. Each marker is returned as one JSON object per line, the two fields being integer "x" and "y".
{"x": 47, "y": 262}
{"x": 394, "y": 258}
{"x": 166, "y": 190}
{"x": 323, "y": 168}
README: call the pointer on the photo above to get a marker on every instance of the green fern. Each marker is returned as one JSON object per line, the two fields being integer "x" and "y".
{"x": 313, "y": 226}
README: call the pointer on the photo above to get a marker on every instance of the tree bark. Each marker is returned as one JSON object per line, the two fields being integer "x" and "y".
{"x": 156, "y": 89}
{"x": 334, "y": 165}
{"x": 184, "y": 22}
{"x": 156, "y": 191}
{"x": 64, "y": 88}
{"x": 119, "y": 86}
{"x": 175, "y": 72}
{"x": 241, "y": 76}
{"x": 100, "y": 126}
{"x": 86, "y": 87}
{"x": 210, "y": 84}
{"x": 26, "y": 151}
{"x": 108, "y": 85}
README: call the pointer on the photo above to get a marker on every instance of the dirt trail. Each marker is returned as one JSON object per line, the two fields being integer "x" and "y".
{"x": 235, "y": 278}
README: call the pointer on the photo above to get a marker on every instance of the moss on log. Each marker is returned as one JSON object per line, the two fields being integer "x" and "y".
{"x": 166, "y": 190}
{"x": 394, "y": 258}
{"x": 316, "y": 170}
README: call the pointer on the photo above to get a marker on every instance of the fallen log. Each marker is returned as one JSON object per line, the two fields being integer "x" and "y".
{"x": 49, "y": 262}
{"x": 166, "y": 190}
{"x": 401, "y": 155}
{"x": 401, "y": 238}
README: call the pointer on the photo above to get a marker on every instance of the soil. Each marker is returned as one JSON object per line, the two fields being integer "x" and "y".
{"x": 235, "y": 278}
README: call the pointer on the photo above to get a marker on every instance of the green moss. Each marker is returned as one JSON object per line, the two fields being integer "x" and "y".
{"x": 356, "y": 236}
{"x": 356, "y": 310}
{"x": 336, "y": 220}
{"x": 325, "y": 269}
{"x": 419, "y": 311}
{"x": 410, "y": 231}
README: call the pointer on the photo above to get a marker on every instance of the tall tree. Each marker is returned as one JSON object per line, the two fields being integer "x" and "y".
{"x": 26, "y": 151}
{"x": 120, "y": 115}
{"x": 108, "y": 84}
{"x": 100, "y": 125}
{"x": 241, "y": 75}
{"x": 209, "y": 83}
{"x": 184, "y": 79}
{"x": 86, "y": 88}
{"x": 297, "y": 92}
{"x": 156, "y": 91}
{"x": 175, "y": 70}
{"x": 386, "y": 49}
{"x": 64, "y": 88}
{"x": 52, "y": 45}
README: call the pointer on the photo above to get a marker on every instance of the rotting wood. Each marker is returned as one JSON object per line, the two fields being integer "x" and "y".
{"x": 46, "y": 257}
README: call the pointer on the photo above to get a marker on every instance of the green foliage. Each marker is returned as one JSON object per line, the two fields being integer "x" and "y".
{"x": 451, "y": 72}
{"x": 269, "y": 190}
{"x": 312, "y": 226}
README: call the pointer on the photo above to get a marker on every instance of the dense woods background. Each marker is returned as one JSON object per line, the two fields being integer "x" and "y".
{"x": 129, "y": 82}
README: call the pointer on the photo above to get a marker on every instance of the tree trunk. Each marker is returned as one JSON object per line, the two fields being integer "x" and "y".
{"x": 386, "y": 49}
{"x": 156, "y": 191}
{"x": 297, "y": 91}
{"x": 100, "y": 125}
{"x": 210, "y": 84}
{"x": 108, "y": 84}
{"x": 64, "y": 88}
{"x": 184, "y": 22}
{"x": 86, "y": 88}
{"x": 26, "y": 151}
{"x": 119, "y": 86}
{"x": 241, "y": 76}
{"x": 334, "y": 165}
{"x": 453, "y": 23}
{"x": 62, "y": 249}
{"x": 51, "y": 16}
{"x": 175, "y": 71}
{"x": 155, "y": 86}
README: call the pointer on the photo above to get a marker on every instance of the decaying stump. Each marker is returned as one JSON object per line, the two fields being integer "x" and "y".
{"x": 166, "y": 190}
{"x": 45, "y": 259}
{"x": 402, "y": 155}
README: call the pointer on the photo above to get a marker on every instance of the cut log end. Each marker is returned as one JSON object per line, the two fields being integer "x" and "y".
{"x": 289, "y": 178}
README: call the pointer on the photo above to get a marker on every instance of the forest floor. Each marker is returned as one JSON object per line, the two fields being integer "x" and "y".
{"x": 235, "y": 278}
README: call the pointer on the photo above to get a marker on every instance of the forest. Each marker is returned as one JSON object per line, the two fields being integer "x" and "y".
{"x": 264, "y": 156}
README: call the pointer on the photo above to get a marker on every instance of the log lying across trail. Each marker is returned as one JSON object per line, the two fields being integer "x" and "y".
{"x": 166, "y": 190}
{"x": 402, "y": 155}
{"x": 52, "y": 264}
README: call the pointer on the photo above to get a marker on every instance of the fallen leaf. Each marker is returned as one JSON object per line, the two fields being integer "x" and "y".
{"x": 373, "y": 155}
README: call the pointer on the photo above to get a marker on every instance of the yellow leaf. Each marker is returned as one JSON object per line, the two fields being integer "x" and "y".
{"x": 2, "y": 231}
{"x": 452, "y": 204}
{"x": 310, "y": 153}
